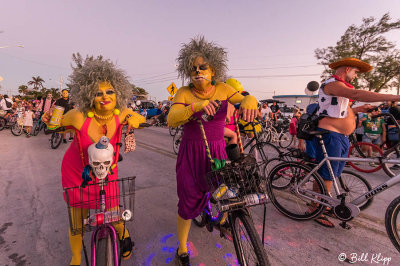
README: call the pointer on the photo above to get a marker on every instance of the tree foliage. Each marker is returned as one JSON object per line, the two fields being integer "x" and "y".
{"x": 367, "y": 42}
{"x": 138, "y": 90}
{"x": 36, "y": 83}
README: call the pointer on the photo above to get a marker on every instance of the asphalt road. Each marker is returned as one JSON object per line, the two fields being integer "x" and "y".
{"x": 34, "y": 221}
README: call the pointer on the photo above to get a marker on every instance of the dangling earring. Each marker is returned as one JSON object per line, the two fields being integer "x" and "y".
{"x": 90, "y": 114}
{"x": 213, "y": 82}
{"x": 191, "y": 85}
{"x": 116, "y": 112}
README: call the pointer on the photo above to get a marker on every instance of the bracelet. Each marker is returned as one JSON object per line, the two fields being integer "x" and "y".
{"x": 192, "y": 107}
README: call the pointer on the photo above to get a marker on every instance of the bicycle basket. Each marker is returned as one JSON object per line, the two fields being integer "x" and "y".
{"x": 84, "y": 203}
{"x": 242, "y": 177}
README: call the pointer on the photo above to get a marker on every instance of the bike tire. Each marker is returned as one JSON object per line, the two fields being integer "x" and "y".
{"x": 173, "y": 130}
{"x": 200, "y": 220}
{"x": 55, "y": 140}
{"x": 248, "y": 246}
{"x": 176, "y": 141}
{"x": 285, "y": 140}
{"x": 104, "y": 252}
{"x": 392, "y": 169}
{"x": 358, "y": 149}
{"x": 286, "y": 200}
{"x": 16, "y": 129}
{"x": 392, "y": 222}
{"x": 266, "y": 151}
{"x": 3, "y": 123}
{"x": 354, "y": 185}
{"x": 36, "y": 130}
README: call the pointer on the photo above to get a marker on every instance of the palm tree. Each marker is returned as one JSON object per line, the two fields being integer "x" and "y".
{"x": 23, "y": 89}
{"x": 36, "y": 82}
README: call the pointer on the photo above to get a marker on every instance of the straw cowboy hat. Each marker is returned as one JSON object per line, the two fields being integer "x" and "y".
{"x": 352, "y": 62}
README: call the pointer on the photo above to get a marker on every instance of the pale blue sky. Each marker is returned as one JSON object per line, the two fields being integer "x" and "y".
{"x": 271, "y": 39}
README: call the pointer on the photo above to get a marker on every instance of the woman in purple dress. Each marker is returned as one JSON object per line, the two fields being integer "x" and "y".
{"x": 204, "y": 65}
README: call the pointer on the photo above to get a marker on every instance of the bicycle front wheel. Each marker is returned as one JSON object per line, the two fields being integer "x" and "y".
{"x": 16, "y": 129}
{"x": 392, "y": 169}
{"x": 3, "y": 123}
{"x": 297, "y": 205}
{"x": 36, "y": 130}
{"x": 354, "y": 185}
{"x": 285, "y": 139}
{"x": 247, "y": 242}
{"x": 55, "y": 140}
{"x": 173, "y": 130}
{"x": 392, "y": 222}
{"x": 104, "y": 252}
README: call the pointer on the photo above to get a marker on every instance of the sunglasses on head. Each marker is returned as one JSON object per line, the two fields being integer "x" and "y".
{"x": 108, "y": 92}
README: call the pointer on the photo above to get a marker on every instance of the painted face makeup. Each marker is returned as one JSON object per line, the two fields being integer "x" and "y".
{"x": 202, "y": 74}
{"x": 105, "y": 98}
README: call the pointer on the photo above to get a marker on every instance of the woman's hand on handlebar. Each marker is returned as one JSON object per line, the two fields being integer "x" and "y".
{"x": 248, "y": 114}
{"x": 135, "y": 120}
{"x": 209, "y": 109}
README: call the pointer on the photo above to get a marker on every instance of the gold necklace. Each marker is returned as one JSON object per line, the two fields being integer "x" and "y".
{"x": 103, "y": 117}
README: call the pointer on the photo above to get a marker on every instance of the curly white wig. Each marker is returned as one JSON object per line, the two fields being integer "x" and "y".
{"x": 88, "y": 74}
{"x": 214, "y": 55}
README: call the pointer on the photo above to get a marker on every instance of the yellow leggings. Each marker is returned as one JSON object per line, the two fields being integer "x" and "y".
{"x": 75, "y": 241}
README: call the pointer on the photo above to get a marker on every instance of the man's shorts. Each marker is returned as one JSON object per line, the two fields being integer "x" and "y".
{"x": 337, "y": 145}
{"x": 376, "y": 140}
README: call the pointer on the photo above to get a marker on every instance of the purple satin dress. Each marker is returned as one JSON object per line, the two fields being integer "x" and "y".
{"x": 193, "y": 163}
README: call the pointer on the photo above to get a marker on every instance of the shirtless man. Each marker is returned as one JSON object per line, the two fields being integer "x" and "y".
{"x": 339, "y": 118}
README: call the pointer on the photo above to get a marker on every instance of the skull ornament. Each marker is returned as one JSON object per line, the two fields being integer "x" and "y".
{"x": 101, "y": 157}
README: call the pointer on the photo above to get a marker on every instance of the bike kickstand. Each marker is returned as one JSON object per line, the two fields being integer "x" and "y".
{"x": 85, "y": 252}
{"x": 344, "y": 225}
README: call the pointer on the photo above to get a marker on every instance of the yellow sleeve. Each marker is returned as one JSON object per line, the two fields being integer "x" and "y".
{"x": 181, "y": 109}
{"x": 134, "y": 120}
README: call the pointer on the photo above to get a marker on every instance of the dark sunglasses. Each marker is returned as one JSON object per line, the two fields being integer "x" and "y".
{"x": 200, "y": 67}
{"x": 108, "y": 92}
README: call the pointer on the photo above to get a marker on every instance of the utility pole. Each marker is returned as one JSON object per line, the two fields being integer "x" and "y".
{"x": 61, "y": 83}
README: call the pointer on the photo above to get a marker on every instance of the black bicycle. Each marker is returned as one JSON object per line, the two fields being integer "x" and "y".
{"x": 236, "y": 186}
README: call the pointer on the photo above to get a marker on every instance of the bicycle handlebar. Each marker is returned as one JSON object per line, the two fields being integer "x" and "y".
{"x": 391, "y": 117}
{"x": 51, "y": 131}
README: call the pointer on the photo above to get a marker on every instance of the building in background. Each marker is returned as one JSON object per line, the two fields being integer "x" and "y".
{"x": 301, "y": 101}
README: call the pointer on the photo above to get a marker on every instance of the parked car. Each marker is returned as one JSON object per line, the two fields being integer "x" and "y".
{"x": 150, "y": 106}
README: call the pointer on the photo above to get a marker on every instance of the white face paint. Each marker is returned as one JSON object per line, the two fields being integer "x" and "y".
{"x": 101, "y": 157}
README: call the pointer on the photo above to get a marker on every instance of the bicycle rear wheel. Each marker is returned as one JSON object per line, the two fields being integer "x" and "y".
{"x": 55, "y": 140}
{"x": 104, "y": 252}
{"x": 365, "y": 150}
{"x": 264, "y": 151}
{"x": 354, "y": 185}
{"x": 176, "y": 142}
{"x": 248, "y": 246}
{"x": 284, "y": 197}
{"x": 392, "y": 222}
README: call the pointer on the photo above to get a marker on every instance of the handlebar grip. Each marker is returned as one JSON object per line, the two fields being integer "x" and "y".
{"x": 50, "y": 131}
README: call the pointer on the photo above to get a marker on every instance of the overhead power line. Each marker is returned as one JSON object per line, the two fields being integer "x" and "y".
{"x": 278, "y": 76}
{"x": 261, "y": 68}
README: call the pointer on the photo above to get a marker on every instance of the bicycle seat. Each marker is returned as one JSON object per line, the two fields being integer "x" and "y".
{"x": 318, "y": 132}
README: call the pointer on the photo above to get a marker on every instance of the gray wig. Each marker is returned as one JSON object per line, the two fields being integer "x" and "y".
{"x": 213, "y": 54}
{"x": 88, "y": 74}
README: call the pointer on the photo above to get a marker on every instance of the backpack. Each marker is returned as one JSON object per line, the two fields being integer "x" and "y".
{"x": 8, "y": 103}
{"x": 308, "y": 122}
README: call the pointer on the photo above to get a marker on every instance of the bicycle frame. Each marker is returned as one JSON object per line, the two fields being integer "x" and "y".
{"x": 332, "y": 202}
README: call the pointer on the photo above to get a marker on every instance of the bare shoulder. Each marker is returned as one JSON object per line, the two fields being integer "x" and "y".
{"x": 74, "y": 118}
{"x": 333, "y": 87}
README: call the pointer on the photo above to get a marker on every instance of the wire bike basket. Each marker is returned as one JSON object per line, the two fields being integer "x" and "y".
{"x": 84, "y": 204}
{"x": 239, "y": 184}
